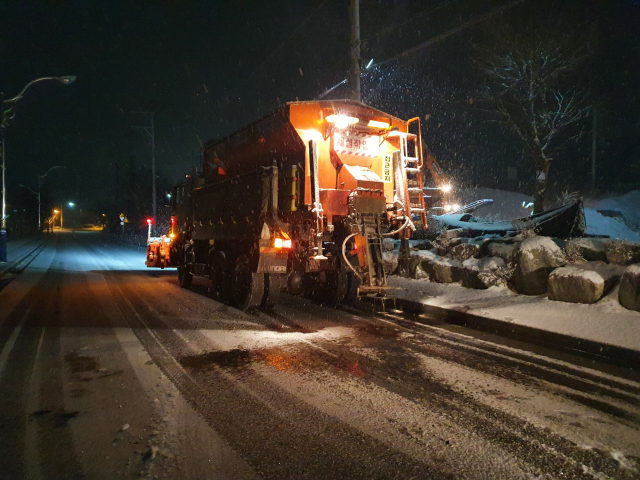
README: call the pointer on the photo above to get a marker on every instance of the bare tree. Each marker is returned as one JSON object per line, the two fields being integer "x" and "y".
{"x": 529, "y": 82}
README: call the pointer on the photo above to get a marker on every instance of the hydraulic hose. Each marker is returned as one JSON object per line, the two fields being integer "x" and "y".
{"x": 406, "y": 224}
{"x": 344, "y": 256}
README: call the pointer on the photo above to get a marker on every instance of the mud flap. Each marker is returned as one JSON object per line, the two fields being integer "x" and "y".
{"x": 273, "y": 285}
{"x": 247, "y": 287}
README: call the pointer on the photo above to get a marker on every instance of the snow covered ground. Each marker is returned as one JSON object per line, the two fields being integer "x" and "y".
{"x": 616, "y": 217}
{"x": 606, "y": 321}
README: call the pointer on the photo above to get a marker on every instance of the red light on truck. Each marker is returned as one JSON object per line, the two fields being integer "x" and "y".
{"x": 173, "y": 220}
{"x": 281, "y": 243}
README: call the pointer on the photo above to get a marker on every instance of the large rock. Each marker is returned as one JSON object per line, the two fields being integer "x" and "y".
{"x": 423, "y": 257}
{"x": 390, "y": 261}
{"x": 389, "y": 244}
{"x": 502, "y": 250}
{"x": 480, "y": 273}
{"x": 622, "y": 253}
{"x": 421, "y": 244}
{"x": 629, "y": 294}
{"x": 442, "y": 270}
{"x": 536, "y": 258}
{"x": 465, "y": 250}
{"x": 583, "y": 283}
{"x": 591, "y": 249}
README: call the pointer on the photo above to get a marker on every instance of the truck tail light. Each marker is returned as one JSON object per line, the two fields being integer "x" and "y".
{"x": 282, "y": 243}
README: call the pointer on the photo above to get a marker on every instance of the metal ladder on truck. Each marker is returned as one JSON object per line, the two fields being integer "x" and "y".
{"x": 413, "y": 195}
{"x": 413, "y": 168}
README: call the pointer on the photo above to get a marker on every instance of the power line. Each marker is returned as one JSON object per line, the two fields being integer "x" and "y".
{"x": 413, "y": 18}
{"x": 449, "y": 33}
{"x": 433, "y": 40}
{"x": 288, "y": 38}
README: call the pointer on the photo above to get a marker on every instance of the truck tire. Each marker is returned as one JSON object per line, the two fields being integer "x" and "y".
{"x": 353, "y": 283}
{"x": 337, "y": 287}
{"x": 274, "y": 283}
{"x": 247, "y": 288}
{"x": 185, "y": 278}
{"x": 219, "y": 276}
{"x": 331, "y": 291}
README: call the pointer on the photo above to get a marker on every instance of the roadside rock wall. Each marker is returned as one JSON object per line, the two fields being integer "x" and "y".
{"x": 580, "y": 270}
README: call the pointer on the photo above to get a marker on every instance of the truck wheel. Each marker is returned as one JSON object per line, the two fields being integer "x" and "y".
{"x": 247, "y": 288}
{"x": 219, "y": 276}
{"x": 353, "y": 283}
{"x": 184, "y": 275}
{"x": 273, "y": 284}
{"x": 337, "y": 287}
{"x": 329, "y": 291}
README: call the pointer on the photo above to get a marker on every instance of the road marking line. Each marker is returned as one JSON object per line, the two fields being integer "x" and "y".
{"x": 33, "y": 468}
{"x": 11, "y": 342}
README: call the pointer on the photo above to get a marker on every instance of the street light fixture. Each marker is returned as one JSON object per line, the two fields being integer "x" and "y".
{"x": 7, "y": 115}
{"x": 71, "y": 205}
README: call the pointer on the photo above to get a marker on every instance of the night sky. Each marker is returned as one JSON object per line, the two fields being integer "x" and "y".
{"x": 209, "y": 68}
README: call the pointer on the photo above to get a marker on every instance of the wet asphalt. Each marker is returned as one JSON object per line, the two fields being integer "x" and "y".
{"x": 111, "y": 370}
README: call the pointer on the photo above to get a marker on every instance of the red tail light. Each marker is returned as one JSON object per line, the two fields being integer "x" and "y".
{"x": 282, "y": 243}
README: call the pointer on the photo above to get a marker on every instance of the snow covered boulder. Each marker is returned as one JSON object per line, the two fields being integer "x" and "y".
{"x": 591, "y": 249}
{"x": 623, "y": 253}
{"x": 421, "y": 245}
{"x": 423, "y": 257}
{"x": 629, "y": 294}
{"x": 502, "y": 250}
{"x": 389, "y": 244}
{"x": 536, "y": 258}
{"x": 480, "y": 274}
{"x": 583, "y": 283}
{"x": 442, "y": 270}
{"x": 465, "y": 250}
{"x": 390, "y": 261}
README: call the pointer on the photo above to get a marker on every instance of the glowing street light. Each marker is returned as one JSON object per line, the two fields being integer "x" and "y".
{"x": 6, "y": 115}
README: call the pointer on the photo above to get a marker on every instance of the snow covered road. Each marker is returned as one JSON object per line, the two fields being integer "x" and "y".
{"x": 109, "y": 370}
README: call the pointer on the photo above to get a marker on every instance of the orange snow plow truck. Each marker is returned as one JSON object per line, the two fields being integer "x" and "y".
{"x": 300, "y": 201}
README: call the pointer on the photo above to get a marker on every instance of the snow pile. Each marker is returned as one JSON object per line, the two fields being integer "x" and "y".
{"x": 616, "y": 217}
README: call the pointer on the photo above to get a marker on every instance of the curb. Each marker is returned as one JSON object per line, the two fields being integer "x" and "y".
{"x": 8, "y": 271}
{"x": 603, "y": 352}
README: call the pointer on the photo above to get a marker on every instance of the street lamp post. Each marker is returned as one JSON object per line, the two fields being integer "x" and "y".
{"x": 151, "y": 132}
{"x": 37, "y": 194}
{"x": 40, "y": 182}
{"x": 7, "y": 115}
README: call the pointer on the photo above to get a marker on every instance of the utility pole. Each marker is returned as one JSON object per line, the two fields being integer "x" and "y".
{"x": 3, "y": 230}
{"x": 151, "y": 132}
{"x": 354, "y": 13}
{"x": 594, "y": 135}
